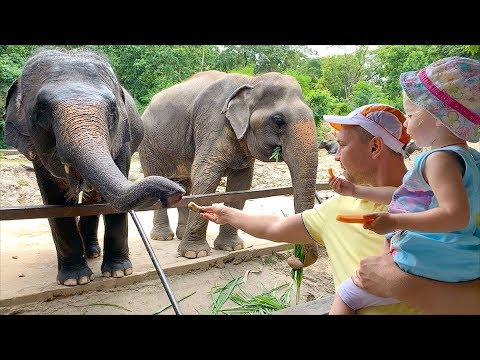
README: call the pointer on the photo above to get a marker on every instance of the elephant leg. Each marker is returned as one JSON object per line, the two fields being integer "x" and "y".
{"x": 72, "y": 266}
{"x": 88, "y": 227}
{"x": 116, "y": 262}
{"x": 183, "y": 212}
{"x": 194, "y": 242}
{"x": 161, "y": 226}
{"x": 228, "y": 238}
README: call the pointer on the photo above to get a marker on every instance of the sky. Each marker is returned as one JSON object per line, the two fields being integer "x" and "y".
{"x": 326, "y": 50}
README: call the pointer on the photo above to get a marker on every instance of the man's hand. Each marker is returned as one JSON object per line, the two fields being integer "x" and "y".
{"x": 216, "y": 213}
{"x": 376, "y": 273}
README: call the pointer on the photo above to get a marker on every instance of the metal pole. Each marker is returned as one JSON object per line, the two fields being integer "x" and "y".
{"x": 160, "y": 272}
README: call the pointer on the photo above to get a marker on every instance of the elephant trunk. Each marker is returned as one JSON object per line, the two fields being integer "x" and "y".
{"x": 101, "y": 172}
{"x": 87, "y": 156}
{"x": 300, "y": 153}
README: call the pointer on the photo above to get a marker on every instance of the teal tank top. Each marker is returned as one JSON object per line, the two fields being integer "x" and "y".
{"x": 450, "y": 257}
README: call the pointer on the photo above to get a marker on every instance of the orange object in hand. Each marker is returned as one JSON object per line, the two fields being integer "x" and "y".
{"x": 354, "y": 218}
{"x": 330, "y": 172}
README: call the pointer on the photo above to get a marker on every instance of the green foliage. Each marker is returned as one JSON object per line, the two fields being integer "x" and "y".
{"x": 331, "y": 85}
{"x": 321, "y": 102}
{"x": 276, "y": 154}
{"x": 264, "y": 303}
{"x": 246, "y": 70}
{"x": 364, "y": 93}
{"x": 472, "y": 49}
{"x": 341, "y": 72}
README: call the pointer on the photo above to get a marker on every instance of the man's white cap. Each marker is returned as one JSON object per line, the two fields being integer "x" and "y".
{"x": 380, "y": 120}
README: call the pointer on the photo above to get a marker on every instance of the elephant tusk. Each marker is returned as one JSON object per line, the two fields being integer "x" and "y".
{"x": 67, "y": 168}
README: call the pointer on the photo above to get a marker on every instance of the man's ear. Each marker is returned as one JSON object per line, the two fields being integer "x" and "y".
{"x": 376, "y": 146}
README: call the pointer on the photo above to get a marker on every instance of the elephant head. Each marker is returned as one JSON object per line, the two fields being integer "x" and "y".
{"x": 269, "y": 111}
{"x": 68, "y": 112}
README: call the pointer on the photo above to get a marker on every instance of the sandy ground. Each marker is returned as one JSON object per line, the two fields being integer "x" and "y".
{"x": 28, "y": 263}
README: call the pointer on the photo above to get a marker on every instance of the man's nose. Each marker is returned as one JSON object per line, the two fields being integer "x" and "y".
{"x": 337, "y": 155}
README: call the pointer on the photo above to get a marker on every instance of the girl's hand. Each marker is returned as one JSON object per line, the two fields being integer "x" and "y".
{"x": 341, "y": 186}
{"x": 382, "y": 222}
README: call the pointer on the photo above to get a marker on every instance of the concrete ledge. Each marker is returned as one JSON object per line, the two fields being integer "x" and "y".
{"x": 316, "y": 307}
{"x": 217, "y": 259}
{"x": 9, "y": 152}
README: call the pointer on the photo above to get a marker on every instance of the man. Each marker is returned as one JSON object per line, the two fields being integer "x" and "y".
{"x": 381, "y": 276}
{"x": 371, "y": 140}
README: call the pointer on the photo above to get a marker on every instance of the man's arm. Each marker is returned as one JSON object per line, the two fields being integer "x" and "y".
{"x": 271, "y": 227}
{"x": 381, "y": 276}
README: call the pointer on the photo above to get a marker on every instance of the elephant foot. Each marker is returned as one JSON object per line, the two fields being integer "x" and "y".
{"x": 229, "y": 243}
{"x": 80, "y": 276}
{"x": 92, "y": 251}
{"x": 180, "y": 231}
{"x": 116, "y": 269}
{"x": 193, "y": 249}
{"x": 161, "y": 234}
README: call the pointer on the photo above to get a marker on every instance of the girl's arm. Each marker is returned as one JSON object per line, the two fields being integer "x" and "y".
{"x": 443, "y": 172}
{"x": 380, "y": 194}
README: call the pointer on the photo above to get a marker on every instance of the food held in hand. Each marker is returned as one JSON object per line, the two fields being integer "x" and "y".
{"x": 354, "y": 218}
{"x": 330, "y": 172}
{"x": 196, "y": 208}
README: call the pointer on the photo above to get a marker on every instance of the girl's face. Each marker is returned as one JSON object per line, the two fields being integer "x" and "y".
{"x": 421, "y": 125}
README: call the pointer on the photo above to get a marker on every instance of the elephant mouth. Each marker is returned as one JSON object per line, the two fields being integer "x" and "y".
{"x": 75, "y": 181}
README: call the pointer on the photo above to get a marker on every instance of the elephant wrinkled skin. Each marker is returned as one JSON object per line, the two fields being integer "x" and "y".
{"x": 69, "y": 115}
{"x": 216, "y": 124}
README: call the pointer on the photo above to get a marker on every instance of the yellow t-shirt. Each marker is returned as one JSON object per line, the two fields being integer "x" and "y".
{"x": 347, "y": 244}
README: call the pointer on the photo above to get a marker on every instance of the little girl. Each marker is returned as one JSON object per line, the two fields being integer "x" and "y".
{"x": 431, "y": 223}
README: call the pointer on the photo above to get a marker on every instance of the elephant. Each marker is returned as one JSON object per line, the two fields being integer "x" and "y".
{"x": 69, "y": 115}
{"x": 215, "y": 125}
{"x": 410, "y": 148}
{"x": 330, "y": 146}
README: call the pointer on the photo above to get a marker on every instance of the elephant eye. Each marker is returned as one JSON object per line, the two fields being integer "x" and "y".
{"x": 277, "y": 119}
{"x": 43, "y": 117}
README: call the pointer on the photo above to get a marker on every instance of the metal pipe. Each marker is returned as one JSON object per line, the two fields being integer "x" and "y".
{"x": 160, "y": 272}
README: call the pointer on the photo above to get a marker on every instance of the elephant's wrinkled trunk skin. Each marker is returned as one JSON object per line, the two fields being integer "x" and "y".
{"x": 104, "y": 175}
{"x": 89, "y": 153}
{"x": 300, "y": 153}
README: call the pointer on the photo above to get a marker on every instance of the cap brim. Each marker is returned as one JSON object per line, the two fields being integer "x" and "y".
{"x": 336, "y": 121}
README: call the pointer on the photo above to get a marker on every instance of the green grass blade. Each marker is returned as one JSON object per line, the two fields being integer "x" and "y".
{"x": 168, "y": 306}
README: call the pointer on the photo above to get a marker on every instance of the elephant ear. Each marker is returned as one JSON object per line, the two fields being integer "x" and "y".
{"x": 237, "y": 110}
{"x": 15, "y": 131}
{"x": 123, "y": 136}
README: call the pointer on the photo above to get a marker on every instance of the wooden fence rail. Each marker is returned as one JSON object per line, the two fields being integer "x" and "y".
{"x": 52, "y": 211}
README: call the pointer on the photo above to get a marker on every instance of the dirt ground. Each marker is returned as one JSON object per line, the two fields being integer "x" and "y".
{"x": 28, "y": 263}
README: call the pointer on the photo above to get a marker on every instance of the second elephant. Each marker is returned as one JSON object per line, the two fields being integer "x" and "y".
{"x": 216, "y": 124}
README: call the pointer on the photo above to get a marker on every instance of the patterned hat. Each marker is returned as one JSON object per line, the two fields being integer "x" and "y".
{"x": 450, "y": 90}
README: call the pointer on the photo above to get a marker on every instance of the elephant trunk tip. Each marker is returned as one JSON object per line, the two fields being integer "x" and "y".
{"x": 147, "y": 192}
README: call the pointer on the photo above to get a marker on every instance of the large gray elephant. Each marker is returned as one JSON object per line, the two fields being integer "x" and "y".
{"x": 69, "y": 115}
{"x": 216, "y": 124}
